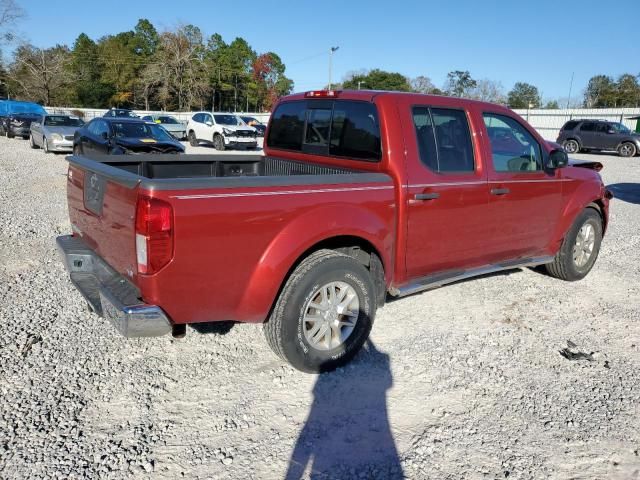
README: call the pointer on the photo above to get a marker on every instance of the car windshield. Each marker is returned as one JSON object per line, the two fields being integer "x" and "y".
{"x": 620, "y": 128}
{"x": 227, "y": 120}
{"x": 27, "y": 108}
{"x": 165, "y": 120}
{"x": 139, "y": 130}
{"x": 62, "y": 121}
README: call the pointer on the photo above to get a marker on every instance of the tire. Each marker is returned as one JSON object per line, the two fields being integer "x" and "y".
{"x": 571, "y": 146}
{"x": 9, "y": 134}
{"x": 565, "y": 265}
{"x": 288, "y": 329}
{"x": 45, "y": 145}
{"x": 77, "y": 150}
{"x": 193, "y": 141}
{"x": 627, "y": 149}
{"x": 32, "y": 144}
{"x": 218, "y": 142}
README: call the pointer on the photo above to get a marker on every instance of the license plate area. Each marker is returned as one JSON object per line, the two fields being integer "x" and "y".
{"x": 94, "y": 187}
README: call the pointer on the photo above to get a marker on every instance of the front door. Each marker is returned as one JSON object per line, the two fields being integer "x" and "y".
{"x": 446, "y": 191}
{"x": 525, "y": 199}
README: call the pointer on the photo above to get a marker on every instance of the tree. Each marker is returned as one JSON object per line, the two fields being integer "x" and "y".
{"x": 85, "y": 67}
{"x": 600, "y": 92}
{"x": 628, "y": 91}
{"x": 524, "y": 95}
{"x": 10, "y": 12}
{"x": 422, "y": 84}
{"x": 459, "y": 83}
{"x": 552, "y": 105}
{"x": 377, "y": 79}
{"x": 268, "y": 73}
{"x": 487, "y": 91}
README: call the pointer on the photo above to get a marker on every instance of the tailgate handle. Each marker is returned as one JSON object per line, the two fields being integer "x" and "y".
{"x": 499, "y": 191}
{"x": 427, "y": 196}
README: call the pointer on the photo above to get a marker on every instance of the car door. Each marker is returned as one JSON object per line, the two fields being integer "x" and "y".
{"x": 609, "y": 136}
{"x": 588, "y": 135}
{"x": 98, "y": 139}
{"x": 208, "y": 127}
{"x": 446, "y": 191}
{"x": 525, "y": 199}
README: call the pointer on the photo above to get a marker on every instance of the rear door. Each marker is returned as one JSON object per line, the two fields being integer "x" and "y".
{"x": 525, "y": 199}
{"x": 588, "y": 135}
{"x": 446, "y": 192}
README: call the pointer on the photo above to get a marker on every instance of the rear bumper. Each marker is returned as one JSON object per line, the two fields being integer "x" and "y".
{"x": 109, "y": 294}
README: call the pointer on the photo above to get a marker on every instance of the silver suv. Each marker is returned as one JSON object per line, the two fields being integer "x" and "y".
{"x": 586, "y": 135}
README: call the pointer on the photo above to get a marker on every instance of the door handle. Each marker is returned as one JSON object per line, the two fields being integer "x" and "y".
{"x": 426, "y": 196}
{"x": 499, "y": 191}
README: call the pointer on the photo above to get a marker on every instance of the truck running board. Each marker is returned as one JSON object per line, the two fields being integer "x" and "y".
{"x": 438, "y": 280}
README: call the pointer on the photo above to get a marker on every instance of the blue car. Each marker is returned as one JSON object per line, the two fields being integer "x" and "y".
{"x": 16, "y": 117}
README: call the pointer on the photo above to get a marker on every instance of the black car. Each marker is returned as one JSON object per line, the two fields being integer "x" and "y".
{"x": 120, "y": 113}
{"x": 255, "y": 123}
{"x": 586, "y": 135}
{"x": 16, "y": 117}
{"x": 118, "y": 136}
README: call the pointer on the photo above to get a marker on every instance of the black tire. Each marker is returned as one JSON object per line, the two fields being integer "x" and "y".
{"x": 284, "y": 329}
{"x": 9, "y": 134}
{"x": 571, "y": 146}
{"x": 627, "y": 149}
{"x": 77, "y": 150}
{"x": 45, "y": 145}
{"x": 218, "y": 142}
{"x": 564, "y": 265}
{"x": 32, "y": 144}
{"x": 193, "y": 141}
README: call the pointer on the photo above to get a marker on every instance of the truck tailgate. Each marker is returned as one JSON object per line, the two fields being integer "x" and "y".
{"x": 102, "y": 213}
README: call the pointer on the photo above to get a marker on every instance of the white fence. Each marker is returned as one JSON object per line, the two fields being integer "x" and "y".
{"x": 89, "y": 113}
{"x": 549, "y": 122}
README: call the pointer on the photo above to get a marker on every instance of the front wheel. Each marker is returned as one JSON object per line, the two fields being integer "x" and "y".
{"x": 324, "y": 313}
{"x": 579, "y": 249}
{"x": 627, "y": 149}
{"x": 45, "y": 145}
{"x": 218, "y": 142}
{"x": 571, "y": 146}
{"x": 32, "y": 144}
{"x": 193, "y": 141}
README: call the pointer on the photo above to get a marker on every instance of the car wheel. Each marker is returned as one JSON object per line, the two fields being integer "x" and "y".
{"x": 193, "y": 141}
{"x": 9, "y": 134}
{"x": 324, "y": 314}
{"x": 218, "y": 142}
{"x": 627, "y": 149}
{"x": 32, "y": 144}
{"x": 77, "y": 150}
{"x": 579, "y": 249}
{"x": 45, "y": 145}
{"x": 571, "y": 146}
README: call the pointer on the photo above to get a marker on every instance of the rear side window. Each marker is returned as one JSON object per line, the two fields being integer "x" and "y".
{"x": 444, "y": 139}
{"x": 339, "y": 128}
{"x": 570, "y": 125}
{"x": 588, "y": 127}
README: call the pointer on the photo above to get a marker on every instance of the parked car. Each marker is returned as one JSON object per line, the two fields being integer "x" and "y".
{"x": 120, "y": 113}
{"x": 255, "y": 123}
{"x": 116, "y": 136}
{"x": 170, "y": 124}
{"x": 587, "y": 135}
{"x": 359, "y": 195}
{"x": 16, "y": 117}
{"x": 54, "y": 133}
{"x": 222, "y": 130}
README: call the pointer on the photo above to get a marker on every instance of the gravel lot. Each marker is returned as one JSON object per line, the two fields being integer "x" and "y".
{"x": 467, "y": 381}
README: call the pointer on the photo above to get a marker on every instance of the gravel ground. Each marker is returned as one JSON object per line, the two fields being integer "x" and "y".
{"x": 507, "y": 376}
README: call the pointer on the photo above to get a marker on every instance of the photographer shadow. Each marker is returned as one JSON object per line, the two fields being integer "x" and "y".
{"x": 347, "y": 431}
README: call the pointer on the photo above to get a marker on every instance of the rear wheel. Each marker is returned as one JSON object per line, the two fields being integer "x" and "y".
{"x": 324, "y": 313}
{"x": 9, "y": 134}
{"x": 579, "y": 249}
{"x": 193, "y": 141}
{"x": 627, "y": 149}
{"x": 218, "y": 142}
{"x": 571, "y": 146}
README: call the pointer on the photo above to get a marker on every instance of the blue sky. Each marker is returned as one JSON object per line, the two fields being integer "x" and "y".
{"x": 541, "y": 42}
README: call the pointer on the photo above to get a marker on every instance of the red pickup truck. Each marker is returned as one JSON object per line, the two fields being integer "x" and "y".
{"x": 358, "y": 195}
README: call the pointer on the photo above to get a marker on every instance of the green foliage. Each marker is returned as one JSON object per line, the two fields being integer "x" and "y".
{"x": 377, "y": 79}
{"x": 459, "y": 83}
{"x": 604, "y": 91}
{"x": 552, "y": 105}
{"x": 142, "y": 68}
{"x": 524, "y": 95}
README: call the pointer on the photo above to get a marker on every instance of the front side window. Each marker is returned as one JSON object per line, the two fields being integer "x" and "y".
{"x": 513, "y": 148}
{"x": 620, "y": 128}
{"x": 444, "y": 139}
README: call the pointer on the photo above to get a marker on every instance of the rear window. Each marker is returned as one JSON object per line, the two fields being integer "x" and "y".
{"x": 588, "y": 127}
{"x": 339, "y": 128}
{"x": 570, "y": 125}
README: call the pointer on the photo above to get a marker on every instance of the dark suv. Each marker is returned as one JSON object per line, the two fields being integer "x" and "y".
{"x": 587, "y": 135}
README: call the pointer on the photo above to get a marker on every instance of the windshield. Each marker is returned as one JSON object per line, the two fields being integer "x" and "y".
{"x": 62, "y": 121}
{"x": 251, "y": 121}
{"x": 167, "y": 120}
{"x": 27, "y": 108}
{"x": 227, "y": 120}
{"x": 618, "y": 127}
{"x": 139, "y": 130}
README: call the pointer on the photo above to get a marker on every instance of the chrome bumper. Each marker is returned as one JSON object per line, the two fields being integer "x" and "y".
{"x": 109, "y": 294}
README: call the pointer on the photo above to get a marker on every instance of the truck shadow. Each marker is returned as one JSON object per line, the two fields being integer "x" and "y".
{"x": 627, "y": 192}
{"x": 213, "y": 328}
{"x": 347, "y": 431}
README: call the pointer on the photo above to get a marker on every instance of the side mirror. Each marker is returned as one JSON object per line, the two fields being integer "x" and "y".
{"x": 209, "y": 123}
{"x": 558, "y": 158}
{"x": 610, "y": 131}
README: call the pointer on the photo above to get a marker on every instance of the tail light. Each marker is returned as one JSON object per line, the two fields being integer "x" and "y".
{"x": 321, "y": 94}
{"x": 154, "y": 234}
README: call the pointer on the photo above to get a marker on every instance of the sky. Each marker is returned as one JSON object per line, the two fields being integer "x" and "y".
{"x": 541, "y": 42}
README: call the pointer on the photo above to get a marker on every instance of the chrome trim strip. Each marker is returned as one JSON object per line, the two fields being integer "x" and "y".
{"x": 438, "y": 280}
{"x": 447, "y": 184}
{"x": 284, "y": 192}
{"x": 533, "y": 180}
{"x": 486, "y": 182}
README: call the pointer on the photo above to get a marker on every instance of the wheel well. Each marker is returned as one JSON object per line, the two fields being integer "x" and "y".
{"x": 574, "y": 139}
{"x": 598, "y": 207}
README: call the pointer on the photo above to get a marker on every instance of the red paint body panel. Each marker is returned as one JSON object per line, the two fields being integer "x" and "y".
{"x": 234, "y": 247}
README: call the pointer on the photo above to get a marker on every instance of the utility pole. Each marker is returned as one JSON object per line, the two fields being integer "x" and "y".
{"x": 235, "y": 96}
{"x": 570, "y": 88}
{"x": 331, "y": 50}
